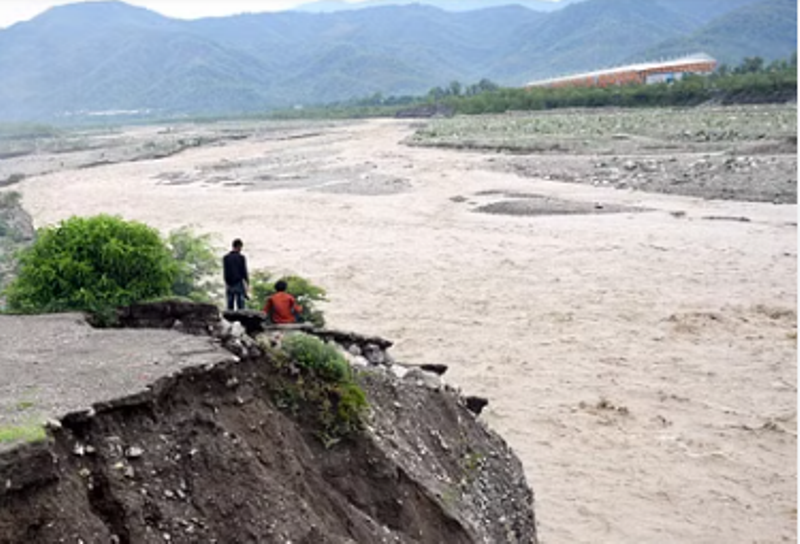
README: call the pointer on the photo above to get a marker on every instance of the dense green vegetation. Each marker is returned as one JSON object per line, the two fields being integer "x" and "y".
{"x": 318, "y": 383}
{"x": 314, "y": 355}
{"x": 262, "y": 286}
{"x": 92, "y": 264}
{"x": 98, "y": 263}
{"x": 751, "y": 82}
{"x": 198, "y": 265}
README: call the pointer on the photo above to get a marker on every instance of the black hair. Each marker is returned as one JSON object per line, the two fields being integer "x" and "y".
{"x": 237, "y": 243}
{"x": 281, "y": 285}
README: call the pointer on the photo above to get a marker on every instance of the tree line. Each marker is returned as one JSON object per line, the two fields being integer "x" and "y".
{"x": 752, "y": 81}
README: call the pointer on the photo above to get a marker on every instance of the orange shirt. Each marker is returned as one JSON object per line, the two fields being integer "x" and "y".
{"x": 282, "y": 307}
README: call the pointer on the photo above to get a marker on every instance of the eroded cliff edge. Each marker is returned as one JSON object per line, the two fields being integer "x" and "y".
{"x": 204, "y": 454}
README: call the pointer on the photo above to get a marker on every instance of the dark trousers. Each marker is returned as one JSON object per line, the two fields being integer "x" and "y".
{"x": 235, "y": 295}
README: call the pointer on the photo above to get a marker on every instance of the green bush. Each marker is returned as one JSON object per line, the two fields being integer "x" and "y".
{"x": 92, "y": 264}
{"x": 198, "y": 265}
{"x": 262, "y": 286}
{"x": 313, "y": 354}
{"x": 325, "y": 388}
{"x": 352, "y": 402}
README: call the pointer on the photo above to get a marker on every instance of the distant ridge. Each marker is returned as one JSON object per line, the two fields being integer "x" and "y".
{"x": 89, "y": 58}
{"x": 752, "y": 30}
{"x": 328, "y": 6}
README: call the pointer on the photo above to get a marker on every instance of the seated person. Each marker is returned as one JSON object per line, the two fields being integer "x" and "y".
{"x": 282, "y": 308}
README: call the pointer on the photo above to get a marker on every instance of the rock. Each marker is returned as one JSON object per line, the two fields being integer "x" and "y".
{"x": 134, "y": 452}
{"x": 237, "y": 347}
{"x": 253, "y": 321}
{"x": 422, "y": 378}
{"x": 476, "y": 404}
{"x": 224, "y": 329}
{"x": 194, "y": 318}
{"x": 399, "y": 371}
{"x": 348, "y": 338}
{"x": 374, "y": 354}
{"x": 438, "y": 369}
{"x": 237, "y": 330}
{"x": 52, "y": 424}
{"x": 360, "y": 361}
{"x": 649, "y": 166}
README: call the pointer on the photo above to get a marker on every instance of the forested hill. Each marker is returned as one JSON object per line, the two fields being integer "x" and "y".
{"x": 103, "y": 56}
{"x": 753, "y": 30}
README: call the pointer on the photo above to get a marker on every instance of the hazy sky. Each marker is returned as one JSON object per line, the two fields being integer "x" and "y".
{"x": 12, "y": 11}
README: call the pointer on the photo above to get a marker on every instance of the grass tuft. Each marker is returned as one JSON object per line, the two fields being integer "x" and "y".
{"x": 33, "y": 432}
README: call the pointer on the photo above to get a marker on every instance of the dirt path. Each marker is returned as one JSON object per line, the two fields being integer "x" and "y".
{"x": 641, "y": 363}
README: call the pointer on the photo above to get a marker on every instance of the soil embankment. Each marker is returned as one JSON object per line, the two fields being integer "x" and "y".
{"x": 204, "y": 454}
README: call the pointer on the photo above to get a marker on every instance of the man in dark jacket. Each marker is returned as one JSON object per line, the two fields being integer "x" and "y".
{"x": 236, "y": 279}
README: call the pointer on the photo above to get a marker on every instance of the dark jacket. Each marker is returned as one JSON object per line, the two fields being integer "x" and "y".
{"x": 235, "y": 268}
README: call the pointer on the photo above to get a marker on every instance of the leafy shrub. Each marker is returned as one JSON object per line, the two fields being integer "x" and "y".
{"x": 262, "y": 286}
{"x": 197, "y": 265}
{"x": 92, "y": 264}
{"x": 326, "y": 388}
{"x": 313, "y": 354}
{"x": 352, "y": 402}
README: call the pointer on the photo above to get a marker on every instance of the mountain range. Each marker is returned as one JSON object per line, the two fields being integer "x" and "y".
{"x": 328, "y": 6}
{"x": 109, "y": 56}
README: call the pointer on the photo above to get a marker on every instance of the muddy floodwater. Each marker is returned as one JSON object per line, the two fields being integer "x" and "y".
{"x": 622, "y": 288}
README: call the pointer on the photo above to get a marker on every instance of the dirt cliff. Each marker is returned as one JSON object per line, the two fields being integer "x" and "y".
{"x": 204, "y": 454}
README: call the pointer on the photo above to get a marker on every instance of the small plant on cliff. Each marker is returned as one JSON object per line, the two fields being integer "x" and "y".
{"x": 326, "y": 385}
{"x": 92, "y": 264}
{"x": 315, "y": 355}
{"x": 197, "y": 265}
{"x": 262, "y": 286}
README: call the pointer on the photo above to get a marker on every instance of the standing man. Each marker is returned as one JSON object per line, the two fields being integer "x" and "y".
{"x": 236, "y": 279}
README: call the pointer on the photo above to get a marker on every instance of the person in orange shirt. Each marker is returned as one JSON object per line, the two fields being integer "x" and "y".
{"x": 282, "y": 308}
